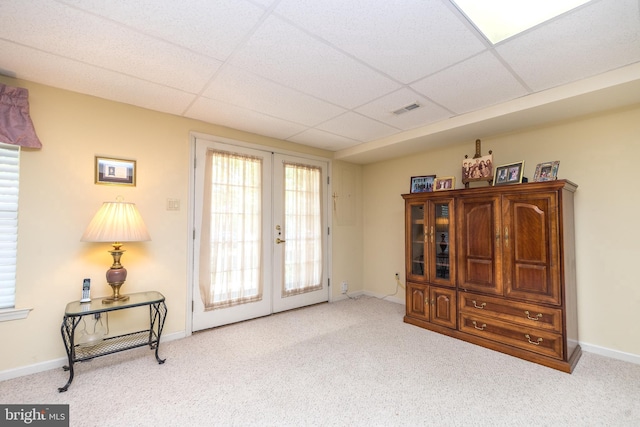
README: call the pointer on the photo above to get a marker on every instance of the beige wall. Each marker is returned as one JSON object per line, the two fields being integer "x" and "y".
{"x": 347, "y": 239}
{"x": 58, "y": 197}
{"x": 598, "y": 153}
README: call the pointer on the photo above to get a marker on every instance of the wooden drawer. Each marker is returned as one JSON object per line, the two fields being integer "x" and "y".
{"x": 525, "y": 314}
{"x": 530, "y": 339}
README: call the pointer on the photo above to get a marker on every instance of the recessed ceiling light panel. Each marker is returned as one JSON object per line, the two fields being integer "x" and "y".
{"x": 501, "y": 19}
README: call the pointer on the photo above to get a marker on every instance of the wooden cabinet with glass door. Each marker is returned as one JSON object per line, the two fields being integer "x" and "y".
{"x": 499, "y": 271}
{"x": 431, "y": 295}
{"x": 428, "y": 236}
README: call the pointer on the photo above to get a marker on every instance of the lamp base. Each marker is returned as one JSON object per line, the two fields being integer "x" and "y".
{"x": 115, "y": 297}
{"x": 111, "y": 300}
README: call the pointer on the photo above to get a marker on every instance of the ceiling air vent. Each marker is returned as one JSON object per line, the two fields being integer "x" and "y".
{"x": 406, "y": 108}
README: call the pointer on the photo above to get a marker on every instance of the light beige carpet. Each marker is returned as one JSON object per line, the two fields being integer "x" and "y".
{"x": 350, "y": 363}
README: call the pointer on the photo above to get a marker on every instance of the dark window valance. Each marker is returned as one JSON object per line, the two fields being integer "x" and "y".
{"x": 16, "y": 126}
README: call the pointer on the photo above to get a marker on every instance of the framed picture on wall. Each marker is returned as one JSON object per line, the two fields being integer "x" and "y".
{"x": 509, "y": 174}
{"x": 110, "y": 171}
{"x": 422, "y": 184}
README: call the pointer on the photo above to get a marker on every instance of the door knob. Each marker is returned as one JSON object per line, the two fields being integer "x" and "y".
{"x": 279, "y": 240}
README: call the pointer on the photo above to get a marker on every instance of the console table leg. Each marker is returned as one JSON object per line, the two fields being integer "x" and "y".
{"x": 158, "y": 314}
{"x": 67, "y": 330}
{"x": 66, "y": 386}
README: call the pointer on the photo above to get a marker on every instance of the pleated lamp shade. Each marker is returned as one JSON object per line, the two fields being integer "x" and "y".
{"x": 116, "y": 222}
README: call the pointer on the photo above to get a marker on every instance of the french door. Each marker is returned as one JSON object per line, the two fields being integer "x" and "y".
{"x": 260, "y": 241}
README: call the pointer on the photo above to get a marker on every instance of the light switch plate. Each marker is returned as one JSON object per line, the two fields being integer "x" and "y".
{"x": 173, "y": 204}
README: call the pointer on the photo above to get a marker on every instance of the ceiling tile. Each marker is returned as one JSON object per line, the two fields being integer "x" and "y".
{"x": 322, "y": 73}
{"x": 321, "y": 139}
{"x": 79, "y": 77}
{"x": 599, "y": 37}
{"x": 382, "y": 110}
{"x": 263, "y": 3}
{"x": 70, "y": 33}
{"x": 193, "y": 24}
{"x": 238, "y": 87}
{"x": 473, "y": 84}
{"x": 212, "y": 111}
{"x": 290, "y": 57}
{"x": 405, "y": 39}
{"x": 358, "y": 127}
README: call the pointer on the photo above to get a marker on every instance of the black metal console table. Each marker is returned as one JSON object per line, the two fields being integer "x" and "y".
{"x": 76, "y": 310}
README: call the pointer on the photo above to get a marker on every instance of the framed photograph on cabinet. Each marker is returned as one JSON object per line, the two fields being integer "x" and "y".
{"x": 422, "y": 184}
{"x": 546, "y": 171}
{"x": 479, "y": 169}
{"x": 111, "y": 171}
{"x": 509, "y": 174}
{"x": 444, "y": 183}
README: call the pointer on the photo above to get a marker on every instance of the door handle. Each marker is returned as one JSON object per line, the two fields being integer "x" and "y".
{"x": 279, "y": 240}
{"x": 506, "y": 237}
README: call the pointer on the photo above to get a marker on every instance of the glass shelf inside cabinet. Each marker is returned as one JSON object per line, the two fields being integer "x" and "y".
{"x": 442, "y": 221}
{"x": 417, "y": 240}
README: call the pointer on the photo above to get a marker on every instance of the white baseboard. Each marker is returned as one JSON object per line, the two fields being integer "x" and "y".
{"x": 613, "y": 354}
{"x": 33, "y": 369}
{"x": 58, "y": 363}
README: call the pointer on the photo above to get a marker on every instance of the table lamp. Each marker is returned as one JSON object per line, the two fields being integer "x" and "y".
{"x": 116, "y": 222}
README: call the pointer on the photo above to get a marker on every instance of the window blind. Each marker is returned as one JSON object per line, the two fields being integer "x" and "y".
{"x": 9, "y": 176}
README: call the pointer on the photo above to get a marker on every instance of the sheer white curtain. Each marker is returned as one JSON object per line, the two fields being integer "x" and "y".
{"x": 231, "y": 231}
{"x": 303, "y": 229}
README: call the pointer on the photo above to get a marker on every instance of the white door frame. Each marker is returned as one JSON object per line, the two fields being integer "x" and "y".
{"x": 193, "y": 136}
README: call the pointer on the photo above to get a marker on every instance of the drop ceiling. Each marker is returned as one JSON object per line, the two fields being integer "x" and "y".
{"x": 329, "y": 73}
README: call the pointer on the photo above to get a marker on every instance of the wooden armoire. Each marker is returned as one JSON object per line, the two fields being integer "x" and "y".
{"x": 495, "y": 266}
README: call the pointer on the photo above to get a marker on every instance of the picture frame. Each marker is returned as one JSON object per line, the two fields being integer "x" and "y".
{"x": 510, "y": 173}
{"x": 444, "y": 183}
{"x": 547, "y": 171}
{"x": 112, "y": 171}
{"x": 422, "y": 184}
{"x": 477, "y": 169}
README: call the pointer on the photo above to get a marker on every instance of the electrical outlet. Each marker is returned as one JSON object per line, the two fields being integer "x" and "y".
{"x": 398, "y": 283}
{"x": 345, "y": 287}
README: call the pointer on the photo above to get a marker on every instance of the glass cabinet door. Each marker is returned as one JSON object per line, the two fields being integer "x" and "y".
{"x": 418, "y": 239}
{"x": 442, "y": 247}
{"x": 430, "y": 242}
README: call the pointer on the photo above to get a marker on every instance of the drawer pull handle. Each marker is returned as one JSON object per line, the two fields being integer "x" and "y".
{"x": 538, "y": 341}
{"x": 538, "y": 316}
{"x": 481, "y": 328}
{"x": 481, "y": 306}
